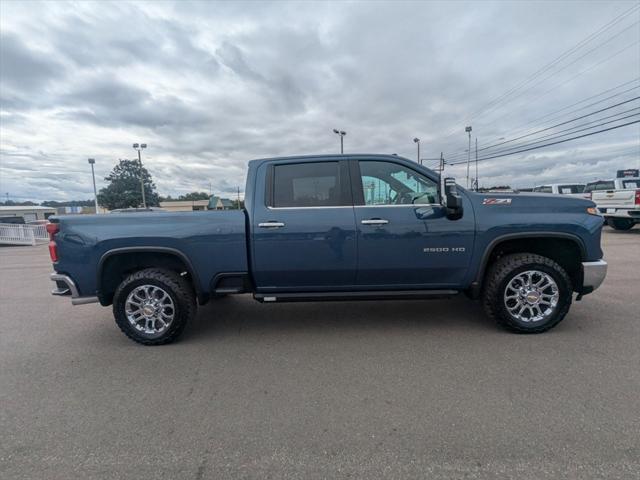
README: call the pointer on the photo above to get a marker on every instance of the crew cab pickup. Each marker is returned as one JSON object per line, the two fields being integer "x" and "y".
{"x": 618, "y": 201}
{"x": 346, "y": 227}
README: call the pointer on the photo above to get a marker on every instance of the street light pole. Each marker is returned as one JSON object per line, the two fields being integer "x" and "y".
{"x": 417, "y": 142}
{"x": 468, "y": 130}
{"x": 342, "y": 133}
{"x": 477, "y": 182}
{"x": 139, "y": 147}
{"x": 93, "y": 175}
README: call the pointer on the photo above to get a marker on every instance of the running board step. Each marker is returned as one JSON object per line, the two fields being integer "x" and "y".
{"x": 349, "y": 296}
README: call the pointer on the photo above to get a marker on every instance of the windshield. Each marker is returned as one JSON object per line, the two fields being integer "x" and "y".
{"x": 601, "y": 185}
{"x": 388, "y": 183}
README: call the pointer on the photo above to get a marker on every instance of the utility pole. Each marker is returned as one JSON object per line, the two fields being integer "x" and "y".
{"x": 477, "y": 182}
{"x": 139, "y": 147}
{"x": 238, "y": 198}
{"x": 441, "y": 163}
{"x": 468, "y": 130}
{"x": 93, "y": 175}
{"x": 342, "y": 133}
{"x": 417, "y": 142}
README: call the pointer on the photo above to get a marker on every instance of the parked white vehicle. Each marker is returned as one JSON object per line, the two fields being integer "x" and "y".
{"x": 569, "y": 189}
{"x": 617, "y": 200}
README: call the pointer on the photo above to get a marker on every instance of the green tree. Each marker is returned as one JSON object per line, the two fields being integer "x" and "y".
{"x": 194, "y": 196}
{"x": 123, "y": 190}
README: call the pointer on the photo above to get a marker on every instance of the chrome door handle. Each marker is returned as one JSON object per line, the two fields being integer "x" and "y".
{"x": 375, "y": 221}
{"x": 271, "y": 225}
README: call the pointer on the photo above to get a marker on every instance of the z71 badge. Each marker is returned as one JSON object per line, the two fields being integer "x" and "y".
{"x": 496, "y": 201}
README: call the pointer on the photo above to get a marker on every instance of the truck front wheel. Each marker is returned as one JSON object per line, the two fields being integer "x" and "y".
{"x": 527, "y": 293}
{"x": 620, "y": 223}
{"x": 152, "y": 306}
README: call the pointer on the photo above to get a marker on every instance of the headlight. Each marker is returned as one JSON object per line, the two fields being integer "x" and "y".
{"x": 592, "y": 211}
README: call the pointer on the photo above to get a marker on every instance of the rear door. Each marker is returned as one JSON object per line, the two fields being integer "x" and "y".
{"x": 304, "y": 235}
{"x": 405, "y": 239}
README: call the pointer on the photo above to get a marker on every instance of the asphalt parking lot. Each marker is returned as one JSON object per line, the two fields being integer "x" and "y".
{"x": 427, "y": 389}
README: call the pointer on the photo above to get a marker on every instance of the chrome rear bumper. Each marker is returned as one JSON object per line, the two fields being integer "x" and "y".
{"x": 70, "y": 289}
{"x": 593, "y": 274}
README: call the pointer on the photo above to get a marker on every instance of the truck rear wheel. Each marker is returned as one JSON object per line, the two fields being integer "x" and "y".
{"x": 152, "y": 306}
{"x": 527, "y": 293}
{"x": 620, "y": 223}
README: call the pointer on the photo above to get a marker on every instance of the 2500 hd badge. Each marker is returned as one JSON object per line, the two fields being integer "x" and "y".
{"x": 443, "y": 249}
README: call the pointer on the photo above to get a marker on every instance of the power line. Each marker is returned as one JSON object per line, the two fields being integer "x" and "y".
{"x": 522, "y": 128}
{"x": 456, "y": 156}
{"x": 553, "y": 143}
{"x": 620, "y": 51}
{"x": 591, "y": 97}
{"x": 583, "y": 71}
{"x": 572, "y": 50}
{"x": 573, "y": 131}
{"x": 522, "y": 92}
{"x": 550, "y": 65}
{"x": 580, "y": 73}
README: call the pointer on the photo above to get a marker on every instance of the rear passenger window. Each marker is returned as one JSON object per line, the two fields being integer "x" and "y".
{"x": 306, "y": 185}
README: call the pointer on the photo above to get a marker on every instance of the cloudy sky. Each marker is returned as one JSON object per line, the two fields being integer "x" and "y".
{"x": 210, "y": 86}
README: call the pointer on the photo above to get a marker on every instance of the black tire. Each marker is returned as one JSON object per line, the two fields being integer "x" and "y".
{"x": 509, "y": 267}
{"x": 176, "y": 287}
{"x": 620, "y": 223}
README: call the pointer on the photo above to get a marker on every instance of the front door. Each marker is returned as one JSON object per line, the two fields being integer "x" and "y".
{"x": 405, "y": 239}
{"x": 304, "y": 235}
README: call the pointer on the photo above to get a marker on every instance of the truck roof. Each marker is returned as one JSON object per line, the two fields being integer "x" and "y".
{"x": 558, "y": 184}
{"x": 338, "y": 156}
{"x": 614, "y": 179}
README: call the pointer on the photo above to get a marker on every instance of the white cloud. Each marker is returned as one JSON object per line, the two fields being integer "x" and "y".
{"x": 210, "y": 86}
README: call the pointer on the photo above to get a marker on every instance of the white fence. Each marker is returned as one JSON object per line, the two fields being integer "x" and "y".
{"x": 17, "y": 234}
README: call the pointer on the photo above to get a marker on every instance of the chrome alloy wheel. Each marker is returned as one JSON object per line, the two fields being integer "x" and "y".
{"x": 531, "y": 296}
{"x": 149, "y": 309}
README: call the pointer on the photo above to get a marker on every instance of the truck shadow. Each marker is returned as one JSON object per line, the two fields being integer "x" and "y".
{"x": 634, "y": 231}
{"x": 242, "y": 315}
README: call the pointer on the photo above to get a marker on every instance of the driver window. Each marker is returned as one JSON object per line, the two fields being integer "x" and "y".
{"x": 387, "y": 183}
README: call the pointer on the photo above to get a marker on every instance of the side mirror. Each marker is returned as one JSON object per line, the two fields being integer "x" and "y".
{"x": 453, "y": 201}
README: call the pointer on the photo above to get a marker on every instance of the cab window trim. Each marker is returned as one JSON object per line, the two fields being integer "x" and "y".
{"x": 343, "y": 178}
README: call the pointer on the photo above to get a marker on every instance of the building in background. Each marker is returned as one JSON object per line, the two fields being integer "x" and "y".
{"x": 184, "y": 205}
{"x": 218, "y": 203}
{"x": 214, "y": 203}
{"x": 76, "y": 210}
{"x": 28, "y": 213}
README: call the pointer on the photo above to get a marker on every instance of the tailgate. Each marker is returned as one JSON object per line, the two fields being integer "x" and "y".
{"x": 614, "y": 198}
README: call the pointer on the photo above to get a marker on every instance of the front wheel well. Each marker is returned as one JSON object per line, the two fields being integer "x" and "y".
{"x": 116, "y": 267}
{"x": 564, "y": 251}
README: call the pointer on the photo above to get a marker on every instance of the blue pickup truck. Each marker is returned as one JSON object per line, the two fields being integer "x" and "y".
{"x": 345, "y": 227}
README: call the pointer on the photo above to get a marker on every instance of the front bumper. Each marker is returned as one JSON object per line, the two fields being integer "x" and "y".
{"x": 632, "y": 213}
{"x": 66, "y": 286}
{"x": 593, "y": 274}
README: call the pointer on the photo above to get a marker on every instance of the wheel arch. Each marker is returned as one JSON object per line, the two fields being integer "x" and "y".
{"x": 542, "y": 243}
{"x": 120, "y": 261}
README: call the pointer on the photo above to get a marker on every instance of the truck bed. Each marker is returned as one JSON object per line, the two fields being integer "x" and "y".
{"x": 212, "y": 242}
